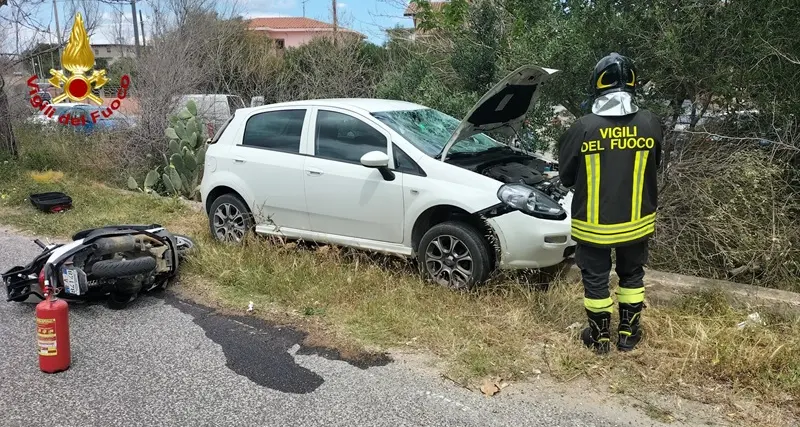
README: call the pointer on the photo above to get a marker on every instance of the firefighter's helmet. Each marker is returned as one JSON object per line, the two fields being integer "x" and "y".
{"x": 613, "y": 73}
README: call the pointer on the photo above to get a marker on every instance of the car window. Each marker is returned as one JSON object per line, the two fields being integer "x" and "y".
{"x": 404, "y": 163}
{"x": 221, "y": 130}
{"x": 275, "y": 130}
{"x": 60, "y": 110}
{"x": 345, "y": 138}
{"x": 79, "y": 112}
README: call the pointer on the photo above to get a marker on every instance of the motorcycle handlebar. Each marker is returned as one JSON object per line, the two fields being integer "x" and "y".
{"x": 39, "y": 242}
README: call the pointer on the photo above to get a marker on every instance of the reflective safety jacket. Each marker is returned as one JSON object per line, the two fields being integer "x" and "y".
{"x": 611, "y": 164}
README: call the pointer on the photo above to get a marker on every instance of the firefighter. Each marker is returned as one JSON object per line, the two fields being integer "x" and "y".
{"x": 609, "y": 157}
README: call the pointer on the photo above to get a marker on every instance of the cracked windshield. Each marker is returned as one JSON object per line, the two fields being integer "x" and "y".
{"x": 429, "y": 130}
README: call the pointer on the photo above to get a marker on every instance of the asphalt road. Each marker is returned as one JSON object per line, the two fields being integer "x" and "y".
{"x": 165, "y": 362}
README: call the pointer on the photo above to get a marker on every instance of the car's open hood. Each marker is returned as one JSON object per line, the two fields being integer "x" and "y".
{"x": 505, "y": 106}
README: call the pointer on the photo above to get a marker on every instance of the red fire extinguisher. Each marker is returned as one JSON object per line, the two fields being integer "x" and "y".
{"x": 52, "y": 328}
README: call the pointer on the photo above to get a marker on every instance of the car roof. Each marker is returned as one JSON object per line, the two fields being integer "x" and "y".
{"x": 369, "y": 105}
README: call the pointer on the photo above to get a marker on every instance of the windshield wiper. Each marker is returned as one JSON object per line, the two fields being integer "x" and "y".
{"x": 498, "y": 148}
{"x": 474, "y": 153}
{"x": 463, "y": 154}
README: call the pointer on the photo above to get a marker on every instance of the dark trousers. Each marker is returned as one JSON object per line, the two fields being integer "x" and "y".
{"x": 595, "y": 266}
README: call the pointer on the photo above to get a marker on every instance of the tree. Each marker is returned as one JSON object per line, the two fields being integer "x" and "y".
{"x": 43, "y": 58}
{"x": 8, "y": 144}
{"x": 478, "y": 44}
{"x": 731, "y": 76}
{"x": 22, "y": 15}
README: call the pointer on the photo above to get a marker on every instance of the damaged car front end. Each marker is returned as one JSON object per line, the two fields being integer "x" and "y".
{"x": 529, "y": 217}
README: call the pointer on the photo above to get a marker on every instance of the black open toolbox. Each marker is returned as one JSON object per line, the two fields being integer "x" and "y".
{"x": 51, "y": 202}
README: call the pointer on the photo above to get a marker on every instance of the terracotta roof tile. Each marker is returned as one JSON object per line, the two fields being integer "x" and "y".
{"x": 281, "y": 23}
{"x": 294, "y": 23}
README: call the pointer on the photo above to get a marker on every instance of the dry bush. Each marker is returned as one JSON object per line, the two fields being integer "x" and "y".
{"x": 19, "y": 106}
{"x": 204, "y": 54}
{"x": 322, "y": 69}
{"x": 241, "y": 62}
{"x": 171, "y": 66}
{"x": 101, "y": 156}
{"x": 729, "y": 211}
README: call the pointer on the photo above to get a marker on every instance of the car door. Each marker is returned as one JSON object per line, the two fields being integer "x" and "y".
{"x": 344, "y": 197}
{"x": 267, "y": 159}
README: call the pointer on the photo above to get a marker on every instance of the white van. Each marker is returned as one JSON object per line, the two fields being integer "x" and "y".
{"x": 214, "y": 109}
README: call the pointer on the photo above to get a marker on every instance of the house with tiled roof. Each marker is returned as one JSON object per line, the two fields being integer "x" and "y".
{"x": 296, "y": 31}
{"x": 411, "y": 11}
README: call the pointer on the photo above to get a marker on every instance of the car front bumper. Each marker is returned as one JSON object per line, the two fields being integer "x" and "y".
{"x": 528, "y": 242}
{"x": 525, "y": 241}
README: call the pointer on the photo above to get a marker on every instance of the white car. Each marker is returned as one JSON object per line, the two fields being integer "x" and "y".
{"x": 60, "y": 109}
{"x": 393, "y": 177}
{"x": 214, "y": 109}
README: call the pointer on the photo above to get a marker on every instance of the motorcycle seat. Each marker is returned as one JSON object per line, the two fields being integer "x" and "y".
{"x": 94, "y": 232}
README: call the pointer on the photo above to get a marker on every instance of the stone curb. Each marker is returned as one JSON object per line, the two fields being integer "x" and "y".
{"x": 663, "y": 286}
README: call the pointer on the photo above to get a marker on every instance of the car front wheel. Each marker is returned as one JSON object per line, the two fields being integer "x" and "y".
{"x": 455, "y": 255}
{"x": 229, "y": 219}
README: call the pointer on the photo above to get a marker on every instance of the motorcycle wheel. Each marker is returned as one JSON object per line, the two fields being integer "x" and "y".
{"x": 123, "y": 268}
{"x": 185, "y": 244}
{"x": 120, "y": 301}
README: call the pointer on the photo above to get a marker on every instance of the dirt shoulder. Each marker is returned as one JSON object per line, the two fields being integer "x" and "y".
{"x": 515, "y": 330}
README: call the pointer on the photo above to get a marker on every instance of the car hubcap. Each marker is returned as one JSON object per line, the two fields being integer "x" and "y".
{"x": 229, "y": 225}
{"x": 449, "y": 262}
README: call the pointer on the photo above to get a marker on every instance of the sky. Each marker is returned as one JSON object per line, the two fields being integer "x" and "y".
{"x": 369, "y": 17}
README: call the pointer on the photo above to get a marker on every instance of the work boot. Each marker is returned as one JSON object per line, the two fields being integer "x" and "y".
{"x": 597, "y": 336}
{"x": 629, "y": 333}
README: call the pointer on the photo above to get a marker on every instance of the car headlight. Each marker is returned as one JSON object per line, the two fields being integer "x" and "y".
{"x": 530, "y": 201}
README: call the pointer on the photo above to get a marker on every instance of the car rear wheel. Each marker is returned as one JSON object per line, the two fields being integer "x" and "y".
{"x": 455, "y": 255}
{"x": 230, "y": 221}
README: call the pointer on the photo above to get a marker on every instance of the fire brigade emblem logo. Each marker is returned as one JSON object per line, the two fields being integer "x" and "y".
{"x": 78, "y": 59}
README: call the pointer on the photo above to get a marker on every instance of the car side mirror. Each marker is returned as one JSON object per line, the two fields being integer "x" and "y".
{"x": 375, "y": 159}
{"x": 378, "y": 160}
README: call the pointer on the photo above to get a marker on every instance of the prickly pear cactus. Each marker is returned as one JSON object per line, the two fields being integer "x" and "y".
{"x": 185, "y": 157}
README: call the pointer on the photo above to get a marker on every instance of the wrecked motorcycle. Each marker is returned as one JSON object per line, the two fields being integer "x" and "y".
{"x": 116, "y": 262}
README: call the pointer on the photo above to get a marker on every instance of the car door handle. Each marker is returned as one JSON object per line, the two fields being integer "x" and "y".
{"x": 239, "y": 160}
{"x": 313, "y": 172}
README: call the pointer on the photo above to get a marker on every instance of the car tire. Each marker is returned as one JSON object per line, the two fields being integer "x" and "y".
{"x": 454, "y": 255}
{"x": 229, "y": 219}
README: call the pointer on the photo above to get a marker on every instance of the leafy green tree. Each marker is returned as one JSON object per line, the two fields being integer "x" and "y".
{"x": 701, "y": 62}
{"x": 477, "y": 44}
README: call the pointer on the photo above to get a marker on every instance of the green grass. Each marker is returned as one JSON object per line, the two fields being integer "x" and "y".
{"x": 94, "y": 205}
{"x": 508, "y": 328}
